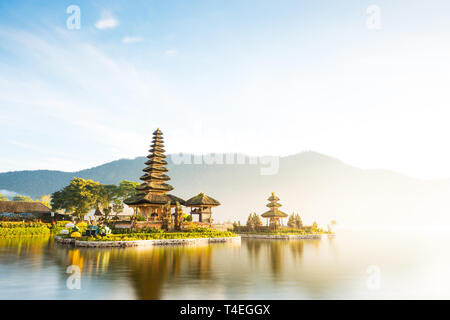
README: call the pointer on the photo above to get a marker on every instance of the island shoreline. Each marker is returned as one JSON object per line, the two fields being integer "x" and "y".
{"x": 141, "y": 243}
{"x": 287, "y": 236}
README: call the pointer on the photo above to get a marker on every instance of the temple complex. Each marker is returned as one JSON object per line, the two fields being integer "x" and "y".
{"x": 274, "y": 215}
{"x": 153, "y": 201}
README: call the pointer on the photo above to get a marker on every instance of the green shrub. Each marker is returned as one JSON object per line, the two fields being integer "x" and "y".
{"x": 209, "y": 233}
{"x": 24, "y": 231}
{"x": 22, "y": 224}
{"x": 10, "y": 229}
{"x": 140, "y": 218}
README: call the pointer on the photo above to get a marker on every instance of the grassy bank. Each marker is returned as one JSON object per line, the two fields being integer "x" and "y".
{"x": 160, "y": 236}
{"x": 28, "y": 229}
{"x": 21, "y": 232}
{"x": 287, "y": 232}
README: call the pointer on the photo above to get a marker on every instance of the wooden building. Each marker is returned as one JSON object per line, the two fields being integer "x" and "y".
{"x": 28, "y": 210}
{"x": 201, "y": 205}
{"x": 25, "y": 209}
{"x": 152, "y": 200}
{"x": 274, "y": 215}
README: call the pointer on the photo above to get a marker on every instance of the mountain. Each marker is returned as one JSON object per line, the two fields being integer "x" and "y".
{"x": 317, "y": 186}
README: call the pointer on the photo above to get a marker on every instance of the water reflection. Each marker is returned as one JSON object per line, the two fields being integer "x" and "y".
{"x": 151, "y": 270}
{"x": 255, "y": 269}
{"x": 147, "y": 269}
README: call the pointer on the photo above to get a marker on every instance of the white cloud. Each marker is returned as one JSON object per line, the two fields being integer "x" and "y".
{"x": 8, "y": 193}
{"x": 128, "y": 40}
{"x": 171, "y": 52}
{"x": 107, "y": 22}
{"x": 100, "y": 101}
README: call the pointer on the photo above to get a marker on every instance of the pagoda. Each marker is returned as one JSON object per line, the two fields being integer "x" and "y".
{"x": 274, "y": 215}
{"x": 152, "y": 200}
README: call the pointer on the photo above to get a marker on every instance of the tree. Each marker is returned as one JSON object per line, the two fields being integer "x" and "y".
{"x": 21, "y": 198}
{"x": 78, "y": 198}
{"x": 331, "y": 225}
{"x": 298, "y": 222}
{"x": 295, "y": 221}
{"x": 127, "y": 189}
{"x": 257, "y": 221}
{"x": 291, "y": 221}
{"x": 108, "y": 199}
{"x": 81, "y": 195}
{"x": 254, "y": 221}
{"x": 3, "y": 198}
{"x": 249, "y": 223}
{"x": 45, "y": 200}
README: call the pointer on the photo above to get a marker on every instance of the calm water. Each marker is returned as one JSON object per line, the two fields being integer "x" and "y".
{"x": 410, "y": 264}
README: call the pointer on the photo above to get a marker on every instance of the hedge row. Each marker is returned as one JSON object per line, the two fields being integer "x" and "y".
{"x": 24, "y": 231}
{"x": 161, "y": 236}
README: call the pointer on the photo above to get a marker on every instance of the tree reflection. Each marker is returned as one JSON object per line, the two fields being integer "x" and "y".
{"x": 253, "y": 248}
{"x": 21, "y": 248}
{"x": 149, "y": 269}
{"x": 297, "y": 248}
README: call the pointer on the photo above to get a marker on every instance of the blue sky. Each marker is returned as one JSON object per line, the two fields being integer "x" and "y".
{"x": 252, "y": 76}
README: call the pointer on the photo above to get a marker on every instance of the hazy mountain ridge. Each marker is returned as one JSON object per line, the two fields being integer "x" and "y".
{"x": 315, "y": 185}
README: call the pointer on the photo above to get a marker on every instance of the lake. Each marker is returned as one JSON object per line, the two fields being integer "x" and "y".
{"x": 357, "y": 264}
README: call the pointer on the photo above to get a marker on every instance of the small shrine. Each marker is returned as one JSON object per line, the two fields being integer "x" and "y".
{"x": 201, "y": 205}
{"x": 274, "y": 216}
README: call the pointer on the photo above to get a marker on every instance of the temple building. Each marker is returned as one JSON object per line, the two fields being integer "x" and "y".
{"x": 274, "y": 215}
{"x": 153, "y": 201}
{"x": 201, "y": 205}
{"x": 152, "y": 198}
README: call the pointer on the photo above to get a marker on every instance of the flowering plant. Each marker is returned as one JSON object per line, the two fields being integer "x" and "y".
{"x": 104, "y": 230}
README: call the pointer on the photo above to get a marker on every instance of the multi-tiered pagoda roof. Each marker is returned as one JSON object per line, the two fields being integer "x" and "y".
{"x": 273, "y": 205}
{"x": 154, "y": 188}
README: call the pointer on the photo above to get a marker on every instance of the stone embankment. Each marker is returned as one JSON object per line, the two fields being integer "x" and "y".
{"x": 136, "y": 243}
{"x": 287, "y": 236}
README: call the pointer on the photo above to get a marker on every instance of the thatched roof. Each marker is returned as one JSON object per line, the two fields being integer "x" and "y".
{"x": 274, "y": 205}
{"x": 155, "y": 176}
{"x": 156, "y": 160}
{"x": 22, "y": 207}
{"x": 154, "y": 186}
{"x": 202, "y": 200}
{"x": 154, "y": 168}
{"x": 273, "y": 197}
{"x": 157, "y": 132}
{"x": 274, "y": 214}
{"x": 156, "y": 152}
{"x": 159, "y": 199}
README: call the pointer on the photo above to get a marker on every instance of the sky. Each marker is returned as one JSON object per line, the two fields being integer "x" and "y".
{"x": 253, "y": 76}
